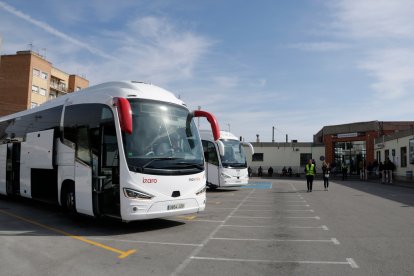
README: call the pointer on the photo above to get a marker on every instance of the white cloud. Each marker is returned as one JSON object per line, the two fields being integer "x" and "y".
{"x": 319, "y": 46}
{"x": 379, "y": 28}
{"x": 375, "y": 18}
{"x": 153, "y": 49}
{"x": 394, "y": 71}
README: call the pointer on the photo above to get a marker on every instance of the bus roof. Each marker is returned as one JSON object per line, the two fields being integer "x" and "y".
{"x": 208, "y": 135}
{"x": 104, "y": 93}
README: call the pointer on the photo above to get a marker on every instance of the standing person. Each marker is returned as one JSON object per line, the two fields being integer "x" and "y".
{"x": 310, "y": 173}
{"x": 249, "y": 171}
{"x": 260, "y": 171}
{"x": 381, "y": 172}
{"x": 388, "y": 168}
{"x": 290, "y": 171}
{"x": 270, "y": 171}
{"x": 344, "y": 171}
{"x": 326, "y": 169}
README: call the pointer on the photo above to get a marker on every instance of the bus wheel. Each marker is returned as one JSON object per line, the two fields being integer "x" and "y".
{"x": 68, "y": 200}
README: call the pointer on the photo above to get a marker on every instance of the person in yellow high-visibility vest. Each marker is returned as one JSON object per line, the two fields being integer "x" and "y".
{"x": 310, "y": 171}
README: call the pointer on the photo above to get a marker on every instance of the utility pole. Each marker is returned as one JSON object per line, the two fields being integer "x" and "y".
{"x": 273, "y": 134}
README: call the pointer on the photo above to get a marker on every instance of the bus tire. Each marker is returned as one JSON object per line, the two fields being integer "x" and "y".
{"x": 68, "y": 201}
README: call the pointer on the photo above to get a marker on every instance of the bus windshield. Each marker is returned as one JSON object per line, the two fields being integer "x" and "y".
{"x": 234, "y": 155}
{"x": 163, "y": 141}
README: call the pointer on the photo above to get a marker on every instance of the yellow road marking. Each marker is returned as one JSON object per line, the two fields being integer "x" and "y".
{"x": 187, "y": 217}
{"x": 218, "y": 202}
{"x": 122, "y": 254}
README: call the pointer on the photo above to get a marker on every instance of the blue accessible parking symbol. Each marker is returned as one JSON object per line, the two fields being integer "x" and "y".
{"x": 258, "y": 185}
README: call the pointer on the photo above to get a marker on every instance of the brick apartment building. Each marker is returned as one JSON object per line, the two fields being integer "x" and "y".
{"x": 28, "y": 80}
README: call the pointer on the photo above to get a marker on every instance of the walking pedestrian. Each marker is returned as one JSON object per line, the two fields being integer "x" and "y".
{"x": 326, "y": 169}
{"x": 310, "y": 173}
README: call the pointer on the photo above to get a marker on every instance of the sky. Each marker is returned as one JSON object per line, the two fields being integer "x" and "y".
{"x": 293, "y": 65}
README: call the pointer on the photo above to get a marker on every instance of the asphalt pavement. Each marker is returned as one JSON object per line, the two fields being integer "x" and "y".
{"x": 271, "y": 227}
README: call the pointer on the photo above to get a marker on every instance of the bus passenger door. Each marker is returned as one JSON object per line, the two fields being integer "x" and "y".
{"x": 212, "y": 164}
{"x": 106, "y": 171}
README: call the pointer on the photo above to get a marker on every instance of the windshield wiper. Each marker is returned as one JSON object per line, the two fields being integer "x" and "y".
{"x": 189, "y": 164}
{"x": 157, "y": 159}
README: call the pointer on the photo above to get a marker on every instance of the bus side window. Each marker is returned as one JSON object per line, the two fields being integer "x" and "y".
{"x": 82, "y": 147}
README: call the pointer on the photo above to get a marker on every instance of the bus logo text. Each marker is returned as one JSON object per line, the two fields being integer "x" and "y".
{"x": 149, "y": 180}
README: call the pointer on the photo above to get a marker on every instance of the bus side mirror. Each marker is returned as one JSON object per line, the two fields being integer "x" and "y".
{"x": 124, "y": 114}
{"x": 211, "y": 119}
{"x": 220, "y": 147}
{"x": 248, "y": 145}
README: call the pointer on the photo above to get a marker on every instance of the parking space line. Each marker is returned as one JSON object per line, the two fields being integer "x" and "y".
{"x": 197, "y": 250}
{"x": 122, "y": 254}
{"x": 219, "y": 208}
{"x": 310, "y": 210}
{"x": 352, "y": 263}
{"x": 316, "y": 217}
{"x": 324, "y": 227}
{"x": 250, "y": 217}
{"x": 272, "y": 210}
{"x": 150, "y": 242}
{"x": 187, "y": 217}
{"x": 349, "y": 261}
{"x": 201, "y": 220}
{"x": 332, "y": 240}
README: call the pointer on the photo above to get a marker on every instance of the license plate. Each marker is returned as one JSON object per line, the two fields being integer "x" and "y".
{"x": 175, "y": 206}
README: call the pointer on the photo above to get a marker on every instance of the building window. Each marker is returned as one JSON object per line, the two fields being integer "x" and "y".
{"x": 42, "y": 92}
{"x": 378, "y": 155}
{"x": 52, "y": 96}
{"x": 257, "y": 157}
{"x": 36, "y": 72}
{"x": 35, "y": 89}
{"x": 44, "y": 75}
{"x": 403, "y": 157}
{"x": 387, "y": 154}
{"x": 33, "y": 105}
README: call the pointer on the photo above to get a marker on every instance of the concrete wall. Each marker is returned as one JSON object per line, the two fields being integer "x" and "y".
{"x": 396, "y": 144}
{"x": 279, "y": 155}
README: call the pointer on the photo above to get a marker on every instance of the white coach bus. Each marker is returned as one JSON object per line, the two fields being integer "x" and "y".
{"x": 226, "y": 164}
{"x": 127, "y": 150}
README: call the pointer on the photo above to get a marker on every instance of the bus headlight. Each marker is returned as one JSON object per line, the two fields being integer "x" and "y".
{"x": 203, "y": 190}
{"x": 225, "y": 175}
{"x": 130, "y": 193}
